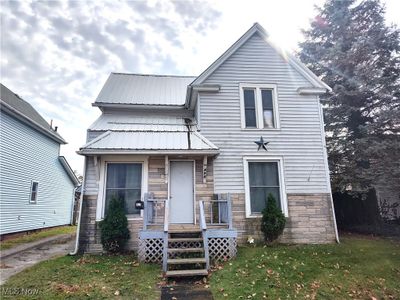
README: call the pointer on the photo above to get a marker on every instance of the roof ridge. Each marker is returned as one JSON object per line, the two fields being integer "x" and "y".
{"x": 154, "y": 75}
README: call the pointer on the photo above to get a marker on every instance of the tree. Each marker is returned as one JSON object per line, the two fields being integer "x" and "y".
{"x": 353, "y": 51}
{"x": 114, "y": 227}
{"x": 273, "y": 220}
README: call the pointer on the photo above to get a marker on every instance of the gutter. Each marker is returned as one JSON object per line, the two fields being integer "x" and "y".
{"x": 80, "y": 211}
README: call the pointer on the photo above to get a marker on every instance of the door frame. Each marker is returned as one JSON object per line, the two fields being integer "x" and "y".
{"x": 194, "y": 183}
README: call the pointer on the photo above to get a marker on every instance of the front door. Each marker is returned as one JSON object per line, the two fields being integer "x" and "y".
{"x": 181, "y": 192}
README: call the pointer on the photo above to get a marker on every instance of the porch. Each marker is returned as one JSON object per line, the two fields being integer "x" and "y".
{"x": 186, "y": 249}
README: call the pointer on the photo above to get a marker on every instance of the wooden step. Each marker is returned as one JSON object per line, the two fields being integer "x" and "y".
{"x": 177, "y": 261}
{"x": 188, "y": 230}
{"x": 184, "y": 250}
{"x": 185, "y": 240}
{"x": 185, "y": 273}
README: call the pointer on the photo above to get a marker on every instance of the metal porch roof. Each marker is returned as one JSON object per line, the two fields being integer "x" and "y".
{"x": 159, "y": 141}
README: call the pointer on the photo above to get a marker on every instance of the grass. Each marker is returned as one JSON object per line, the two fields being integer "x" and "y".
{"x": 358, "y": 268}
{"x": 86, "y": 277}
{"x": 31, "y": 237}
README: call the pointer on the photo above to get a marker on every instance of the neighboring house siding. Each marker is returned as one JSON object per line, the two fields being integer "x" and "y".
{"x": 26, "y": 156}
{"x": 299, "y": 140}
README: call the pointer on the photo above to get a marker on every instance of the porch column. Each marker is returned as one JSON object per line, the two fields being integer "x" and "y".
{"x": 166, "y": 169}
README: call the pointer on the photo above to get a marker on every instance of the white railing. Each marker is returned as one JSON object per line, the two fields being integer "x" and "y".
{"x": 219, "y": 212}
{"x": 203, "y": 227}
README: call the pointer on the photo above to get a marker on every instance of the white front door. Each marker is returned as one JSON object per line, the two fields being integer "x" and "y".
{"x": 181, "y": 192}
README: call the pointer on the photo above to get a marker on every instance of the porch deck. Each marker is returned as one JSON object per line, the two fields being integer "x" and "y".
{"x": 212, "y": 235}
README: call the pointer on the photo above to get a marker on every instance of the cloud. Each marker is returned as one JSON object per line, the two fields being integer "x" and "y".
{"x": 58, "y": 54}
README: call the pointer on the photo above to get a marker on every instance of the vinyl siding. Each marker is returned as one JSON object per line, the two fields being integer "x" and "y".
{"x": 25, "y": 156}
{"x": 299, "y": 140}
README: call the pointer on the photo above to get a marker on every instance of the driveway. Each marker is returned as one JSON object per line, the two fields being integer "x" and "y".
{"x": 19, "y": 261}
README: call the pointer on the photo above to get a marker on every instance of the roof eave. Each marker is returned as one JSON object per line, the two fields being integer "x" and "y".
{"x": 89, "y": 152}
{"x": 137, "y": 106}
{"x": 10, "y": 110}
{"x": 69, "y": 170}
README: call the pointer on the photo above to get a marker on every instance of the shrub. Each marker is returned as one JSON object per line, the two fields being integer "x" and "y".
{"x": 114, "y": 227}
{"x": 273, "y": 220}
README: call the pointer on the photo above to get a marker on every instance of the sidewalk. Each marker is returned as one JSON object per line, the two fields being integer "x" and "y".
{"x": 17, "y": 259}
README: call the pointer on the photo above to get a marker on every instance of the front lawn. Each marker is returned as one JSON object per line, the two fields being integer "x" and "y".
{"x": 86, "y": 277}
{"x": 35, "y": 236}
{"x": 358, "y": 268}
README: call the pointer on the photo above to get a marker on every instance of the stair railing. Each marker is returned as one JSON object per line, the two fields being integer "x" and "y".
{"x": 165, "y": 235}
{"x": 203, "y": 227}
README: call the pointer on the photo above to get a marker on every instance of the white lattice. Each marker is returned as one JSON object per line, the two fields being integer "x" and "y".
{"x": 222, "y": 249}
{"x": 150, "y": 250}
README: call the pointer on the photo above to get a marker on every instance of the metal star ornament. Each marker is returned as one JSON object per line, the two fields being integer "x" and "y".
{"x": 261, "y": 144}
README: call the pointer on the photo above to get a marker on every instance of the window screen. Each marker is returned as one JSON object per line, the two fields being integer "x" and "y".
{"x": 263, "y": 180}
{"x": 124, "y": 181}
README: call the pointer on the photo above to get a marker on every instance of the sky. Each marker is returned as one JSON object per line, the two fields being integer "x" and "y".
{"x": 57, "y": 54}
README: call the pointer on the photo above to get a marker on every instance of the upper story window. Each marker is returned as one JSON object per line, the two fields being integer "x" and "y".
{"x": 259, "y": 106}
{"x": 34, "y": 191}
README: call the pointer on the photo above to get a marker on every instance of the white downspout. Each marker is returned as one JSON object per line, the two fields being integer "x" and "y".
{"x": 321, "y": 116}
{"x": 80, "y": 211}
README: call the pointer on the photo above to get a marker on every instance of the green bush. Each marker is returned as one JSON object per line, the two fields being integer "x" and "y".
{"x": 114, "y": 227}
{"x": 273, "y": 220}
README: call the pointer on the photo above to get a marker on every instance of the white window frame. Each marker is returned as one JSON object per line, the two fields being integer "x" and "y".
{"x": 282, "y": 189}
{"x": 258, "y": 104}
{"x": 101, "y": 197}
{"x": 30, "y": 192}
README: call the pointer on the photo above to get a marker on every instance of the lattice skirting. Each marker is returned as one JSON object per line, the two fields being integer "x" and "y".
{"x": 151, "y": 250}
{"x": 221, "y": 249}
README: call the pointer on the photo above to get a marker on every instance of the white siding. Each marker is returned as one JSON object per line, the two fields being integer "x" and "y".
{"x": 25, "y": 156}
{"x": 91, "y": 183}
{"x": 299, "y": 141}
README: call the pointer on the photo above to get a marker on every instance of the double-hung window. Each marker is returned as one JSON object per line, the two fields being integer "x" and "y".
{"x": 259, "y": 106}
{"x": 34, "y": 191}
{"x": 262, "y": 179}
{"x": 124, "y": 182}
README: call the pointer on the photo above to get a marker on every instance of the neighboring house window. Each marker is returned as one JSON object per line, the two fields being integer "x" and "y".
{"x": 263, "y": 177}
{"x": 124, "y": 181}
{"x": 259, "y": 106}
{"x": 34, "y": 191}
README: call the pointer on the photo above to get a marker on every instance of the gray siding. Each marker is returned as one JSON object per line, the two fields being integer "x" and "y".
{"x": 299, "y": 140}
{"x": 91, "y": 184}
{"x": 25, "y": 156}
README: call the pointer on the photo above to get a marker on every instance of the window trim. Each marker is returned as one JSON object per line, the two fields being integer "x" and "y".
{"x": 101, "y": 198}
{"x": 282, "y": 189}
{"x": 258, "y": 104}
{"x": 30, "y": 192}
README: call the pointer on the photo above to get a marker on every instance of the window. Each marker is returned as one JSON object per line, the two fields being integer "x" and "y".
{"x": 124, "y": 181}
{"x": 263, "y": 176}
{"x": 34, "y": 191}
{"x": 263, "y": 180}
{"x": 259, "y": 106}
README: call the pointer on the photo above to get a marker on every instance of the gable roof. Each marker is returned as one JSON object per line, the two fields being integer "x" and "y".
{"x": 258, "y": 29}
{"x": 139, "y": 89}
{"x": 69, "y": 170}
{"x": 15, "y": 105}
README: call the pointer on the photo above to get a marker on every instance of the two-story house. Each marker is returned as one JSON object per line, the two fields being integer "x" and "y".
{"x": 37, "y": 185}
{"x": 203, "y": 153}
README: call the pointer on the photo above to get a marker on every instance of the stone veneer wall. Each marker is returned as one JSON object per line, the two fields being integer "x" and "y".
{"x": 310, "y": 220}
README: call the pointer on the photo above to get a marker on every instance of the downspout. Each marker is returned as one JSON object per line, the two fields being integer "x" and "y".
{"x": 80, "y": 210}
{"x": 321, "y": 116}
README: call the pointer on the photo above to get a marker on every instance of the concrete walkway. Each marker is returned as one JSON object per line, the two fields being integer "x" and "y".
{"x": 26, "y": 255}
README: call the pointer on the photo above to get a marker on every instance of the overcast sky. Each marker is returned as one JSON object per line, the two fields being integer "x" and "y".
{"x": 57, "y": 55}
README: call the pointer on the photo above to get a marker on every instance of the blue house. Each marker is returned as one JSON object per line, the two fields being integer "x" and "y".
{"x": 36, "y": 183}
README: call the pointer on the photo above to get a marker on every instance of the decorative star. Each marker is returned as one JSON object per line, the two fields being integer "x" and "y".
{"x": 261, "y": 144}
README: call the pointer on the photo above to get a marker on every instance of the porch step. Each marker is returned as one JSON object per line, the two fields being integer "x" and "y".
{"x": 177, "y": 261}
{"x": 185, "y": 250}
{"x": 173, "y": 240}
{"x": 187, "y": 230}
{"x": 186, "y": 273}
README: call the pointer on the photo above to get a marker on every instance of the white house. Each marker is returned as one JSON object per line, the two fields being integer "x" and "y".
{"x": 204, "y": 152}
{"x": 36, "y": 183}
